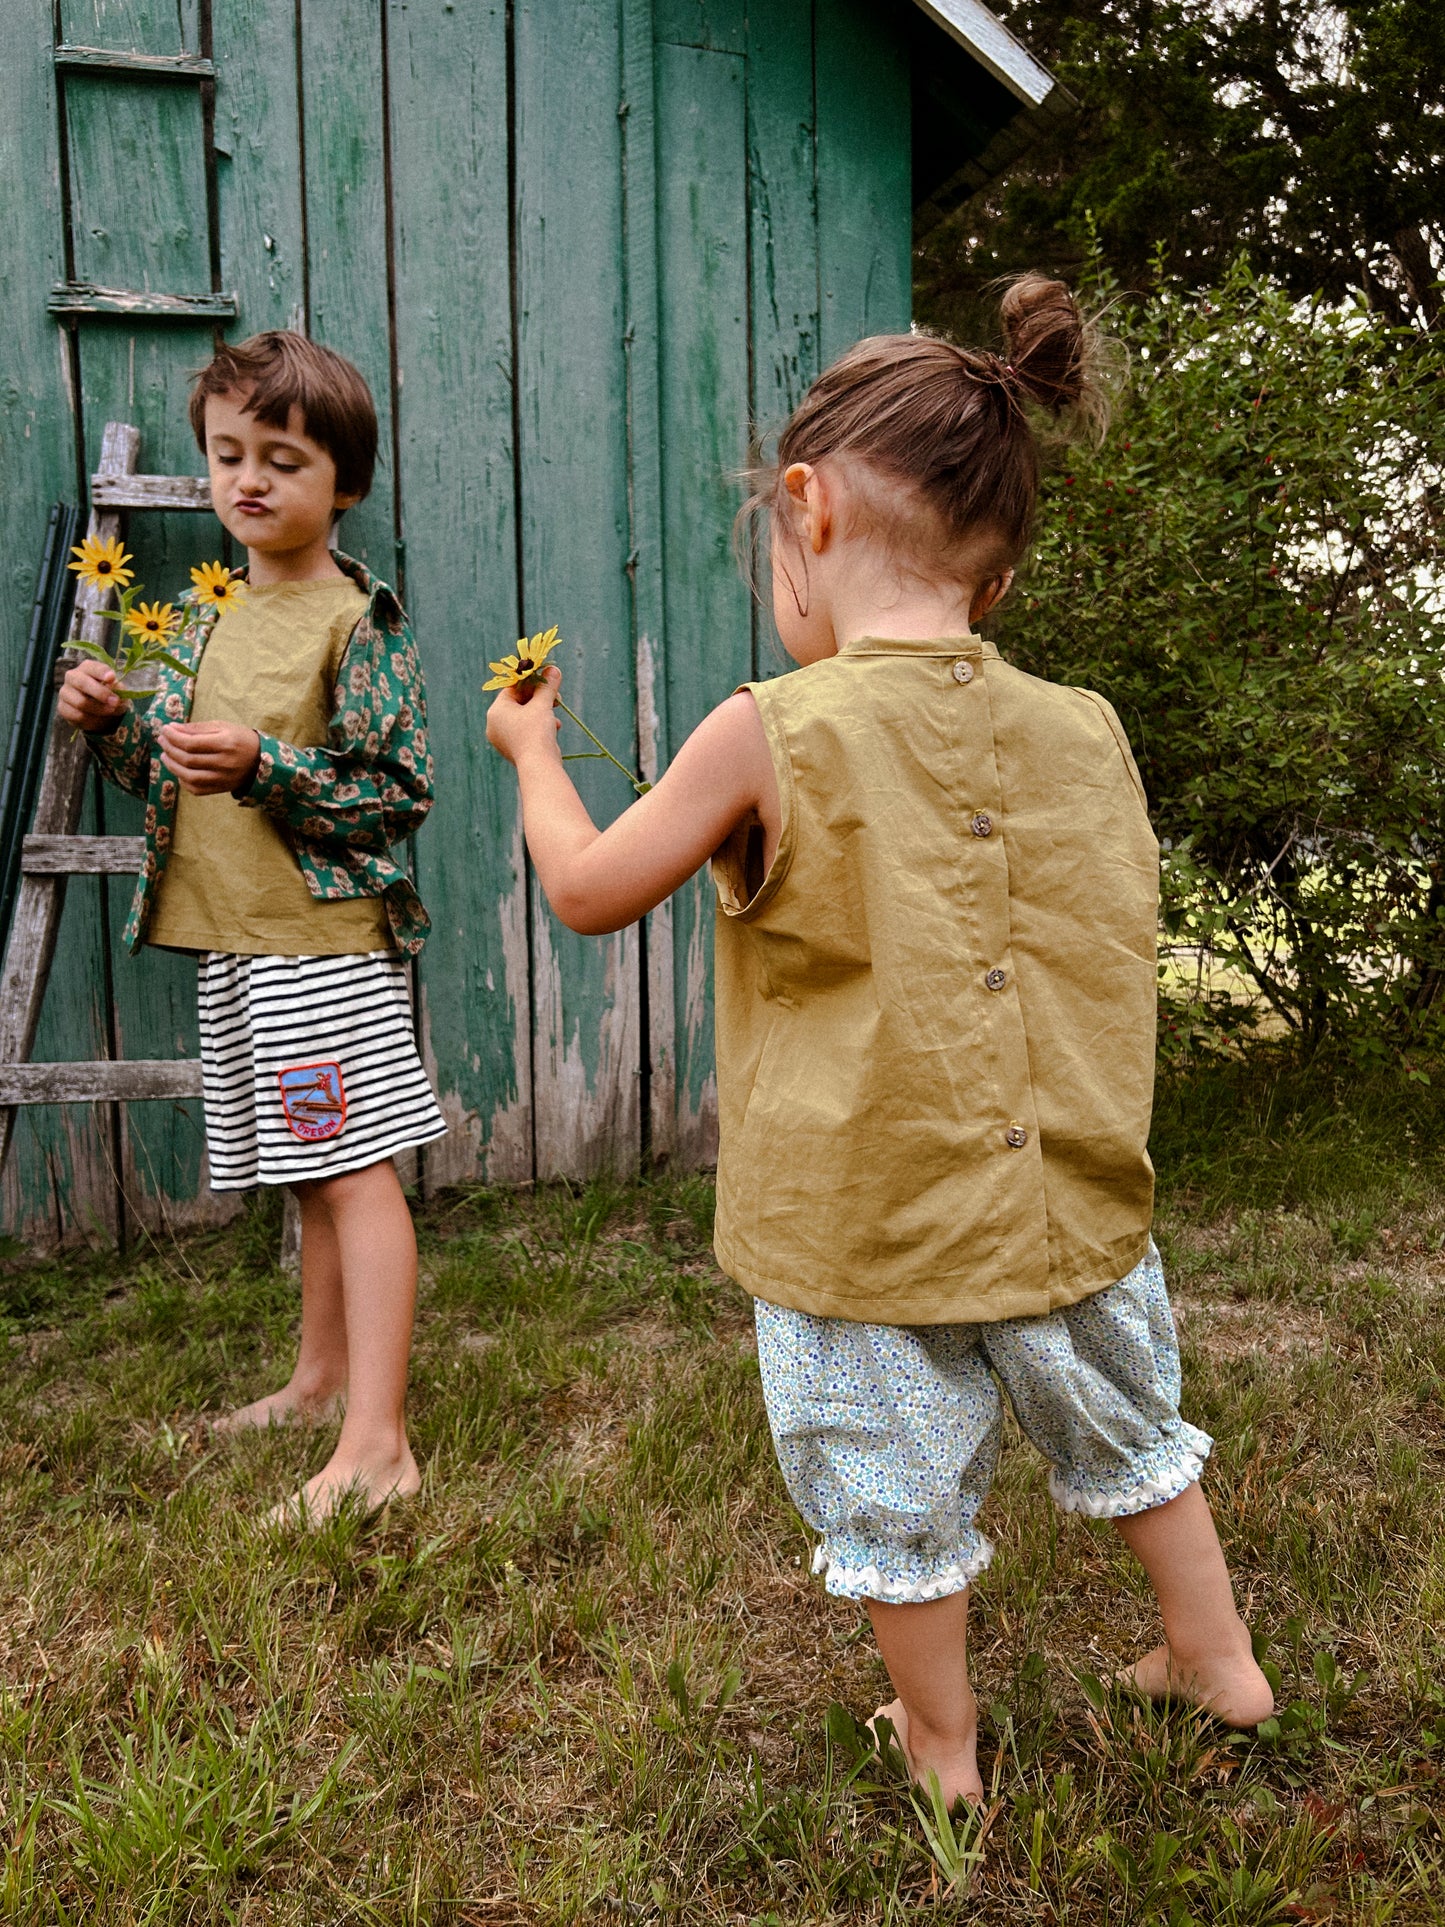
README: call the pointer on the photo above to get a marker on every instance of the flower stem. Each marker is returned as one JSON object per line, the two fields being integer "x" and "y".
{"x": 640, "y": 787}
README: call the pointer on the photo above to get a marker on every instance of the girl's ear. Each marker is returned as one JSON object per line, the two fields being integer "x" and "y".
{"x": 810, "y": 495}
{"x": 989, "y": 595}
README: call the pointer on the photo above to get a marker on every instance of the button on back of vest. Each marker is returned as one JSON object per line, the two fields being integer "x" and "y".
{"x": 1016, "y": 1137}
{"x": 996, "y": 978}
{"x": 982, "y": 824}
{"x": 963, "y": 670}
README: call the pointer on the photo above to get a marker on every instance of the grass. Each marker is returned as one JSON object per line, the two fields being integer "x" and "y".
{"x": 587, "y": 1676}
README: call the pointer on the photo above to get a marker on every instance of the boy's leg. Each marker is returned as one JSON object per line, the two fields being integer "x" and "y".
{"x": 318, "y": 1378}
{"x": 935, "y": 1715}
{"x": 376, "y": 1247}
{"x": 1207, "y": 1656}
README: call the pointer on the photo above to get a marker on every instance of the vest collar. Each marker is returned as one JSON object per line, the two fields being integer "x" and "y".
{"x": 947, "y": 646}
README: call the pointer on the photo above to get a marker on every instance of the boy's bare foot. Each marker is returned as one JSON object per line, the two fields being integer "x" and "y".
{"x": 290, "y": 1406}
{"x": 369, "y": 1484}
{"x": 1229, "y": 1685}
{"x": 956, "y": 1766}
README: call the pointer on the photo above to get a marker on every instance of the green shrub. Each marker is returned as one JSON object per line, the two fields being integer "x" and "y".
{"x": 1248, "y": 569}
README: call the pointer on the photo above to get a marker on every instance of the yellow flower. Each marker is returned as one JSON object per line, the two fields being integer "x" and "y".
{"x": 526, "y": 666}
{"x": 102, "y": 563}
{"x": 153, "y": 620}
{"x": 217, "y": 586}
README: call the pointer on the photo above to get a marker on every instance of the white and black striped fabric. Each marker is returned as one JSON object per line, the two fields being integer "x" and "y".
{"x": 310, "y": 1067}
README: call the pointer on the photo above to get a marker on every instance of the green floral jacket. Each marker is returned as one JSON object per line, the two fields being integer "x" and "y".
{"x": 340, "y": 807}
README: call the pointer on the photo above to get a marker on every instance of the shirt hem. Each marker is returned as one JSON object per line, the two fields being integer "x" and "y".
{"x": 938, "y": 1301}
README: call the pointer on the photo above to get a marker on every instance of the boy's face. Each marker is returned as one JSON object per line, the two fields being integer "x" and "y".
{"x": 273, "y": 488}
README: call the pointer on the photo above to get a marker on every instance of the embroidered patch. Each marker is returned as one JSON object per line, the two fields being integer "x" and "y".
{"x": 313, "y": 1097}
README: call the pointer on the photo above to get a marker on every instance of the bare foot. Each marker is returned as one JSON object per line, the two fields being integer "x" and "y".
{"x": 956, "y": 1766}
{"x": 1229, "y": 1685}
{"x": 289, "y": 1406}
{"x": 369, "y": 1485}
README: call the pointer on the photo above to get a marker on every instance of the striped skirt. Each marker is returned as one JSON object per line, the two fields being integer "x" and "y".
{"x": 310, "y": 1067}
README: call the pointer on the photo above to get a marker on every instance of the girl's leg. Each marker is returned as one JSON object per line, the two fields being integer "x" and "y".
{"x": 318, "y": 1378}
{"x": 1206, "y": 1656}
{"x": 376, "y": 1247}
{"x": 935, "y": 1715}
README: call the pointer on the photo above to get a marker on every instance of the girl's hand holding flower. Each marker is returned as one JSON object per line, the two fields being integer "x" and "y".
{"x": 523, "y": 716}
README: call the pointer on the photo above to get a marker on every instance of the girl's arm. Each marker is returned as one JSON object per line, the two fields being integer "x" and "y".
{"x": 601, "y": 880}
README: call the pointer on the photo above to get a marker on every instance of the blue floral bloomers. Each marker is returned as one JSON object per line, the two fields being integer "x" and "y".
{"x": 888, "y": 1435}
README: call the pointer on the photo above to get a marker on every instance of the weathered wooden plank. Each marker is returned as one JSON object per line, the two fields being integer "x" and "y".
{"x": 56, "y": 1152}
{"x": 139, "y": 26}
{"x": 146, "y": 66}
{"x": 571, "y": 385}
{"x": 782, "y": 209}
{"x": 76, "y": 856}
{"x": 120, "y": 1081}
{"x": 342, "y": 110}
{"x": 184, "y": 492}
{"x": 141, "y": 221}
{"x": 138, "y": 304}
{"x": 864, "y": 173}
{"x": 717, "y": 25}
{"x": 137, "y": 186}
{"x": 258, "y": 162}
{"x": 448, "y": 89}
{"x": 642, "y": 340}
{"x": 702, "y": 147}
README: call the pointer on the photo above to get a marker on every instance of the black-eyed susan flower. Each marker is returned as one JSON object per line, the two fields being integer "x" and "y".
{"x": 102, "y": 564}
{"x": 153, "y": 621}
{"x": 525, "y": 670}
{"x": 217, "y": 586}
{"x": 526, "y": 666}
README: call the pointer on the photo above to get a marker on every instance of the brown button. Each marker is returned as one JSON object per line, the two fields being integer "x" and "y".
{"x": 982, "y": 824}
{"x": 1016, "y": 1137}
{"x": 996, "y": 978}
{"x": 962, "y": 671}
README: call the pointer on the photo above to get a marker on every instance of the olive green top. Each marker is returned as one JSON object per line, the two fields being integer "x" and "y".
{"x": 935, "y": 1014}
{"x": 231, "y": 879}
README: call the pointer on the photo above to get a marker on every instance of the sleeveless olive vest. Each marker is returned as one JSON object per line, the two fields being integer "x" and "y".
{"x": 935, "y": 1014}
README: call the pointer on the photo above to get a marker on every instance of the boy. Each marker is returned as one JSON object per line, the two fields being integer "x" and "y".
{"x": 276, "y": 780}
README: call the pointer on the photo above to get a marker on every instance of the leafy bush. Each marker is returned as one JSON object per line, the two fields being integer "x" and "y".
{"x": 1248, "y": 571}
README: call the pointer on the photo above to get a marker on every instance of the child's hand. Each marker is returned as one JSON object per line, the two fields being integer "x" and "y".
{"x": 87, "y": 696}
{"x": 524, "y": 719}
{"x": 210, "y": 758}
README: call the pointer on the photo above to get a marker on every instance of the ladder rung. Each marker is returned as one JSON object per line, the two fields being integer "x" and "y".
{"x": 149, "y": 66}
{"x": 83, "y": 297}
{"x": 150, "y": 492}
{"x": 119, "y": 1081}
{"x": 82, "y": 856}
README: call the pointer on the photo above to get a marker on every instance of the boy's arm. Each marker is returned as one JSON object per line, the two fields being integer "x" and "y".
{"x": 124, "y": 747}
{"x": 372, "y": 784}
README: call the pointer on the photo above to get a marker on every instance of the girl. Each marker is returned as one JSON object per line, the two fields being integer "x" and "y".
{"x": 935, "y": 1024}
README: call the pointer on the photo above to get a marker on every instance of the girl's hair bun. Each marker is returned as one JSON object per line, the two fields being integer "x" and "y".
{"x": 1051, "y": 350}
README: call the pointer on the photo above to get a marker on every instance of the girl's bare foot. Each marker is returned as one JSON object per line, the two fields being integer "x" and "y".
{"x": 369, "y": 1484}
{"x": 955, "y": 1765}
{"x": 1229, "y": 1685}
{"x": 292, "y": 1405}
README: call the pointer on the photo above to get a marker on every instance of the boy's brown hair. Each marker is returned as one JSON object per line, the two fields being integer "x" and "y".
{"x": 281, "y": 370}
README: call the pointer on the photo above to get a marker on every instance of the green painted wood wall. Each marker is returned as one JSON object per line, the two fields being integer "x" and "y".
{"x": 582, "y": 250}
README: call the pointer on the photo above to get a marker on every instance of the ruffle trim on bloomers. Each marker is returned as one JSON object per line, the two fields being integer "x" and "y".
{"x": 867, "y": 1582}
{"x": 1187, "y": 1470}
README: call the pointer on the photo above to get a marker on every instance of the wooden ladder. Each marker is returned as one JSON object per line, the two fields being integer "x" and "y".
{"x": 53, "y": 852}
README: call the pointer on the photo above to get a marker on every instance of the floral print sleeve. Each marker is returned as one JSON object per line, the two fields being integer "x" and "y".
{"x": 344, "y": 805}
